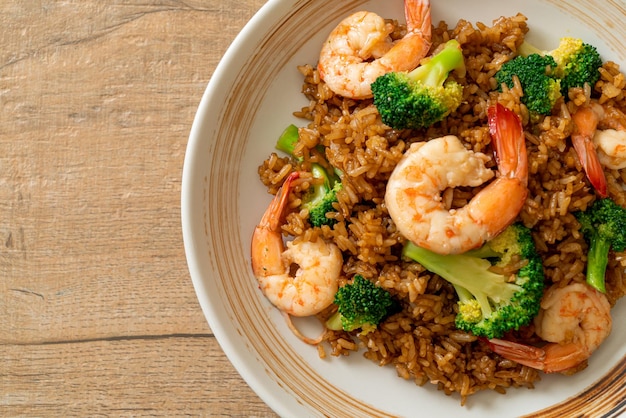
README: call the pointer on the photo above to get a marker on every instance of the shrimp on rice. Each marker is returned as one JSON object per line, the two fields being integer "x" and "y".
{"x": 574, "y": 320}
{"x": 301, "y": 280}
{"x": 413, "y": 195}
{"x": 359, "y": 49}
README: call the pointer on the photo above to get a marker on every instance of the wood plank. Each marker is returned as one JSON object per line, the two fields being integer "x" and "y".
{"x": 97, "y": 312}
{"x": 92, "y": 142}
{"x": 129, "y": 377}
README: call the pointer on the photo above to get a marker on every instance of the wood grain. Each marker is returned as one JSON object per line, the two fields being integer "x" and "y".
{"x": 156, "y": 376}
{"x": 97, "y": 312}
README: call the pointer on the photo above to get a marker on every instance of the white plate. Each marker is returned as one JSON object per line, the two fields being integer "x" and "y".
{"x": 248, "y": 102}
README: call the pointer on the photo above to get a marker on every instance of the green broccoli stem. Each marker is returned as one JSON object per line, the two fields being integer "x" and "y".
{"x": 334, "y": 322}
{"x": 288, "y": 139}
{"x": 319, "y": 190}
{"x": 463, "y": 294}
{"x": 597, "y": 260}
{"x": 434, "y": 71}
{"x": 443, "y": 265}
{"x": 473, "y": 269}
{"x": 287, "y": 143}
{"x": 526, "y": 49}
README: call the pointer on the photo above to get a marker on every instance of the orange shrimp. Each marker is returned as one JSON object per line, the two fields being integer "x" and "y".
{"x": 610, "y": 142}
{"x": 413, "y": 195}
{"x": 574, "y": 320}
{"x": 312, "y": 287}
{"x": 586, "y": 120}
{"x": 346, "y": 63}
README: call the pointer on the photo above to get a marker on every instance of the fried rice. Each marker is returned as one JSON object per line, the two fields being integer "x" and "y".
{"x": 421, "y": 341}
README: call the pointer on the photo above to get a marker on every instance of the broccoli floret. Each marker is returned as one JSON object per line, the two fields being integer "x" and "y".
{"x": 323, "y": 193}
{"x": 604, "y": 226}
{"x": 361, "y": 305}
{"x": 577, "y": 62}
{"x": 490, "y": 303}
{"x": 540, "y": 86}
{"x": 422, "y": 97}
{"x": 319, "y": 201}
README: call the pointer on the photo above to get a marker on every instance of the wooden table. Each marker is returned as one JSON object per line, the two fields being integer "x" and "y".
{"x": 98, "y": 316}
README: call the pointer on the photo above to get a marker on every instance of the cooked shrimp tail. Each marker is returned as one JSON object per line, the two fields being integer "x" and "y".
{"x": 586, "y": 120}
{"x": 527, "y": 355}
{"x": 302, "y": 279}
{"x": 574, "y": 320}
{"x": 267, "y": 242}
{"x": 418, "y": 19}
{"x": 359, "y": 49}
{"x": 509, "y": 144}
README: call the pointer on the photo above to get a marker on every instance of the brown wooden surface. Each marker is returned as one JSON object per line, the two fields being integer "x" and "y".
{"x": 98, "y": 316}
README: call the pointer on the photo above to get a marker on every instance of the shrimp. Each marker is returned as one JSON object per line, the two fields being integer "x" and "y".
{"x": 574, "y": 320}
{"x": 611, "y": 147}
{"x": 312, "y": 287}
{"x": 586, "y": 120}
{"x": 359, "y": 49}
{"x": 413, "y": 195}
